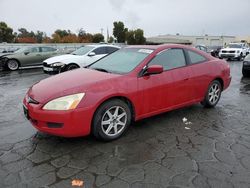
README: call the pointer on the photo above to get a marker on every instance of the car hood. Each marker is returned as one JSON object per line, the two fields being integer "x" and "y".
{"x": 64, "y": 59}
{"x": 231, "y": 49}
{"x": 71, "y": 82}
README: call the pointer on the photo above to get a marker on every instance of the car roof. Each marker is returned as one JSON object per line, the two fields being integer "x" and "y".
{"x": 102, "y": 45}
{"x": 155, "y": 47}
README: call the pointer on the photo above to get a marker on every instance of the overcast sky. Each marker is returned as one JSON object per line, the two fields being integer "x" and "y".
{"x": 155, "y": 17}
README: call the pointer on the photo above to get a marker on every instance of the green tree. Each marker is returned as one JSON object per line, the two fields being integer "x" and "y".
{"x": 119, "y": 31}
{"x": 6, "y": 33}
{"x": 40, "y": 36}
{"x": 62, "y": 33}
{"x": 139, "y": 36}
{"x": 98, "y": 38}
{"x": 135, "y": 37}
{"x": 111, "y": 39}
{"x": 23, "y": 33}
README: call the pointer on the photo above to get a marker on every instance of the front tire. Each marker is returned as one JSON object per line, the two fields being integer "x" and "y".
{"x": 72, "y": 67}
{"x": 111, "y": 120}
{"x": 12, "y": 64}
{"x": 213, "y": 94}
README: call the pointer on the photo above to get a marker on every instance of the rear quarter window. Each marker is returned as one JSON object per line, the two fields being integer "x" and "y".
{"x": 195, "y": 57}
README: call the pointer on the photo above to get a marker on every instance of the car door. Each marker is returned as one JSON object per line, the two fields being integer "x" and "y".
{"x": 170, "y": 88}
{"x": 48, "y": 52}
{"x": 30, "y": 57}
{"x": 200, "y": 78}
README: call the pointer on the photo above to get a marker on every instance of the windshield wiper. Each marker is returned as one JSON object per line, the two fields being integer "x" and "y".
{"x": 101, "y": 69}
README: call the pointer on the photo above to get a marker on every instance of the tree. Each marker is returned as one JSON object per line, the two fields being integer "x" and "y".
{"x": 135, "y": 37}
{"x": 119, "y": 31}
{"x": 139, "y": 37}
{"x": 6, "y": 33}
{"x": 84, "y": 37}
{"x": 71, "y": 38}
{"x": 111, "y": 39}
{"x": 24, "y": 36}
{"x": 40, "y": 35}
{"x": 62, "y": 33}
{"x": 97, "y": 38}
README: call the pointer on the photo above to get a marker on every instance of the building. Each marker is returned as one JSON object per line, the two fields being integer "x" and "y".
{"x": 243, "y": 39}
{"x": 192, "y": 40}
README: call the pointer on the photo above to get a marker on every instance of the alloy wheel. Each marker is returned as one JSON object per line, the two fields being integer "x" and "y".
{"x": 12, "y": 64}
{"x": 114, "y": 121}
{"x": 214, "y": 93}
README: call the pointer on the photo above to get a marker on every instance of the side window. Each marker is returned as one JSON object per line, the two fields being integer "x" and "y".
{"x": 100, "y": 51}
{"x": 34, "y": 50}
{"x": 111, "y": 50}
{"x": 195, "y": 57}
{"x": 48, "y": 49}
{"x": 170, "y": 59}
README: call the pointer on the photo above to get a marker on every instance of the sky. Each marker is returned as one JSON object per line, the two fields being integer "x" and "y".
{"x": 155, "y": 17}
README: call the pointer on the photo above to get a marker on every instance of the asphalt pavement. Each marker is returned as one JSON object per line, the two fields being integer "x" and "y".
{"x": 190, "y": 147}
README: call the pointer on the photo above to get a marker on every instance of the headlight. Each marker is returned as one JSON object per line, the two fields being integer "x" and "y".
{"x": 64, "y": 103}
{"x": 57, "y": 64}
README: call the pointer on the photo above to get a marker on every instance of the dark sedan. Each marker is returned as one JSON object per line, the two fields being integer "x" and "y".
{"x": 246, "y": 66}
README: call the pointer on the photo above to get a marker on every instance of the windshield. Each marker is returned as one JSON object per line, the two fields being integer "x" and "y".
{"x": 247, "y": 58}
{"x": 234, "y": 46}
{"x": 122, "y": 61}
{"x": 83, "y": 50}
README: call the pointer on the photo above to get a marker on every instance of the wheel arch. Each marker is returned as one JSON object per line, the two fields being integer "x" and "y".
{"x": 19, "y": 63}
{"x": 122, "y": 98}
{"x": 221, "y": 82}
{"x": 73, "y": 63}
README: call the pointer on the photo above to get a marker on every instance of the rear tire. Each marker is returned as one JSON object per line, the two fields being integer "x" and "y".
{"x": 111, "y": 120}
{"x": 12, "y": 64}
{"x": 213, "y": 94}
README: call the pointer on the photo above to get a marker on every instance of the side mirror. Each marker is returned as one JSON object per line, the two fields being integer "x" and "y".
{"x": 154, "y": 69}
{"x": 91, "y": 54}
{"x": 26, "y": 53}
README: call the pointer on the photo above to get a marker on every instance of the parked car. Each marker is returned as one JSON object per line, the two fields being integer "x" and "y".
{"x": 212, "y": 50}
{"x": 28, "y": 56}
{"x": 234, "y": 51}
{"x": 128, "y": 85}
{"x": 246, "y": 66}
{"x": 202, "y": 48}
{"x": 79, "y": 58}
{"x": 215, "y": 50}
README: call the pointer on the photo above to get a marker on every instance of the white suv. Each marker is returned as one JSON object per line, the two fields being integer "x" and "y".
{"x": 82, "y": 57}
{"x": 234, "y": 51}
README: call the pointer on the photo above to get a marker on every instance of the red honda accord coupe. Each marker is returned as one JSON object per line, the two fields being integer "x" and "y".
{"x": 130, "y": 84}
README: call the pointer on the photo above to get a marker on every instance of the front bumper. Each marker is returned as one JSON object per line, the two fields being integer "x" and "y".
{"x": 246, "y": 68}
{"x": 72, "y": 123}
{"x": 229, "y": 55}
{"x": 48, "y": 69}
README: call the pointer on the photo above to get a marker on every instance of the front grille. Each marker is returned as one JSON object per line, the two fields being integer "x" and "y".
{"x": 231, "y": 51}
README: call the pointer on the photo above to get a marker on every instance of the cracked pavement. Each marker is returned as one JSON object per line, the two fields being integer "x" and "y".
{"x": 211, "y": 151}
